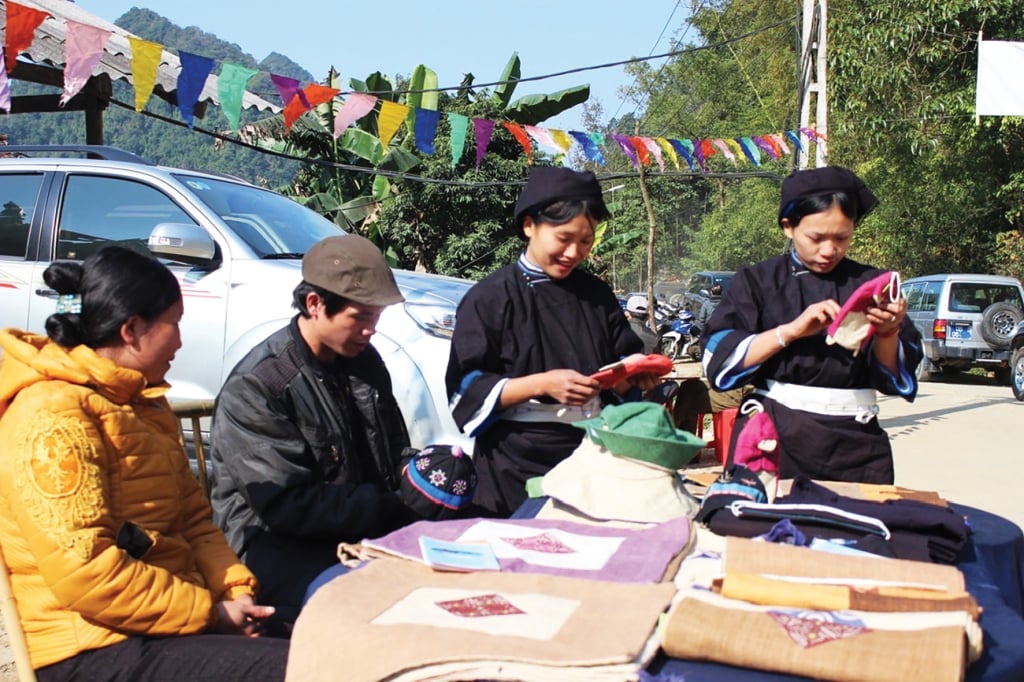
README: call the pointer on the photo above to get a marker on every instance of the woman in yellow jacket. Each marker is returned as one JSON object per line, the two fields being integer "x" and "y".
{"x": 116, "y": 567}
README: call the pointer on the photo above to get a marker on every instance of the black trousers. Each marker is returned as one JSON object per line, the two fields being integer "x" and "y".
{"x": 191, "y": 658}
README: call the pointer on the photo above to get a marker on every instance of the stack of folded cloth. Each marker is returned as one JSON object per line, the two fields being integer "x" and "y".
{"x": 827, "y": 616}
{"x": 902, "y": 528}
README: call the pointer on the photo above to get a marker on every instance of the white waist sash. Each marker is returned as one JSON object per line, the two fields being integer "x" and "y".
{"x": 533, "y": 411}
{"x": 859, "y": 403}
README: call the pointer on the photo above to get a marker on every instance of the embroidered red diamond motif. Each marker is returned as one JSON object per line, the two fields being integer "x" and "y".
{"x": 808, "y": 632}
{"x": 544, "y": 542}
{"x": 483, "y": 605}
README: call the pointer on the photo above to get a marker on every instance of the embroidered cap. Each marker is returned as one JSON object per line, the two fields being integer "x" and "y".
{"x": 438, "y": 482}
{"x": 351, "y": 267}
{"x": 643, "y": 431}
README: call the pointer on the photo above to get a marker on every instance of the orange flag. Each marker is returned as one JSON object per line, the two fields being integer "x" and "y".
{"x": 314, "y": 94}
{"x": 22, "y": 23}
{"x": 520, "y": 135}
{"x": 390, "y": 120}
{"x": 145, "y": 61}
{"x": 641, "y": 149}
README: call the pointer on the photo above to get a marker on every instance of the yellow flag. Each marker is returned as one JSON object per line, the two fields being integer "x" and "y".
{"x": 390, "y": 120}
{"x": 667, "y": 148}
{"x": 561, "y": 138}
{"x": 145, "y": 61}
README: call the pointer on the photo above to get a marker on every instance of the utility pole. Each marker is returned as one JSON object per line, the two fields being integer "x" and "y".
{"x": 813, "y": 79}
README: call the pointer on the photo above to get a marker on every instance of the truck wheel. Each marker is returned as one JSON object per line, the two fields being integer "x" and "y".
{"x": 924, "y": 371}
{"x": 998, "y": 323}
{"x": 1017, "y": 373}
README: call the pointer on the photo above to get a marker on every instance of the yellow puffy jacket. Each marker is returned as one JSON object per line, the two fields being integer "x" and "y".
{"x": 105, "y": 531}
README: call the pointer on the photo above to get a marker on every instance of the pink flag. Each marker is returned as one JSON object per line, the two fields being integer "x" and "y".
{"x": 355, "y": 107}
{"x": 83, "y": 48}
{"x": 5, "y": 90}
{"x": 542, "y": 137}
{"x": 653, "y": 148}
{"x": 726, "y": 151}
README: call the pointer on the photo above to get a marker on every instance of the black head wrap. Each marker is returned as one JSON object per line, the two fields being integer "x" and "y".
{"x": 550, "y": 184}
{"x": 826, "y": 180}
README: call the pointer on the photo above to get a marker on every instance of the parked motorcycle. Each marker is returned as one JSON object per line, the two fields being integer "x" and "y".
{"x": 681, "y": 338}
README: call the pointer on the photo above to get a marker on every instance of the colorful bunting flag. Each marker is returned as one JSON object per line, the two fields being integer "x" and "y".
{"x": 83, "y": 48}
{"x": 765, "y": 145}
{"x": 230, "y": 89}
{"x": 685, "y": 148}
{"x": 288, "y": 88}
{"x": 750, "y": 150}
{"x": 780, "y": 142}
{"x": 5, "y": 91}
{"x": 698, "y": 153}
{"x": 561, "y": 139}
{"x": 520, "y": 135}
{"x": 668, "y": 149}
{"x": 734, "y": 146}
{"x": 726, "y": 152}
{"x": 312, "y": 95}
{"x": 482, "y": 131}
{"x": 22, "y": 23}
{"x": 389, "y": 120}
{"x": 145, "y": 62}
{"x": 425, "y": 129}
{"x": 194, "y": 70}
{"x": 655, "y": 150}
{"x": 589, "y": 146}
{"x": 796, "y": 139}
{"x": 542, "y": 136}
{"x": 640, "y": 148}
{"x": 459, "y": 125}
{"x": 356, "y": 106}
{"x": 627, "y": 148}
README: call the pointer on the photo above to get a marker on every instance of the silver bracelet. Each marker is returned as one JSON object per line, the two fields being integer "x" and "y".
{"x": 778, "y": 335}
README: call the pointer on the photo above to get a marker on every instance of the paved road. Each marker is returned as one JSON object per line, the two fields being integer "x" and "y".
{"x": 963, "y": 438}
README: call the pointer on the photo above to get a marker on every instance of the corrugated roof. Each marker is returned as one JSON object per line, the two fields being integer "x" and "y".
{"x": 48, "y": 47}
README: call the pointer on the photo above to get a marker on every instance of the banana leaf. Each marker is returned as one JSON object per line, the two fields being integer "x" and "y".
{"x": 509, "y": 79}
{"x": 532, "y": 109}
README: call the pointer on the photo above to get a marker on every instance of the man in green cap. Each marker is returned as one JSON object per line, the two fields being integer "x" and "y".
{"x": 307, "y": 435}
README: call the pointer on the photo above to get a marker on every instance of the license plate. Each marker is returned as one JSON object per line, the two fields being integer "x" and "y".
{"x": 959, "y": 331}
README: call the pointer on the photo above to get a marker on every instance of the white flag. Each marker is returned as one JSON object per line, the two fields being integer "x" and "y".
{"x": 1000, "y": 86}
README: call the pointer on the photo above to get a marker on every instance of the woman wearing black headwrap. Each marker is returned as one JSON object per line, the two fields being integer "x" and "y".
{"x": 769, "y": 329}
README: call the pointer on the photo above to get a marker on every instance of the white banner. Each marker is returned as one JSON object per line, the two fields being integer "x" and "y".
{"x": 1000, "y": 78}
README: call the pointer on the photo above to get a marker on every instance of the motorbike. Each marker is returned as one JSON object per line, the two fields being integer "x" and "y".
{"x": 681, "y": 338}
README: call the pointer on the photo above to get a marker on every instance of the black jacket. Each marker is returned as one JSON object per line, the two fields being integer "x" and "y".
{"x": 294, "y": 473}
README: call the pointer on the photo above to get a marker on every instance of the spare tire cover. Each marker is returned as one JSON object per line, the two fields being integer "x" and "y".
{"x": 998, "y": 323}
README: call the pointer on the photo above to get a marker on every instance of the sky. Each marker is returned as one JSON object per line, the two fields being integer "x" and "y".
{"x": 452, "y": 37}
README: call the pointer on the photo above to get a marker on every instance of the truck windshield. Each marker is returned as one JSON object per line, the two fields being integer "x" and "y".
{"x": 271, "y": 224}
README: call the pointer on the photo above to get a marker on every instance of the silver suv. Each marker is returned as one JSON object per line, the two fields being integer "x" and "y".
{"x": 965, "y": 320}
{"x": 235, "y": 248}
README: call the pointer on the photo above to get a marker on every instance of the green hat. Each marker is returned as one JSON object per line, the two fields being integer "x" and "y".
{"x": 643, "y": 431}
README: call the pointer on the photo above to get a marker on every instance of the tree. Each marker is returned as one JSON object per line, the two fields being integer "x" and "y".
{"x": 456, "y": 220}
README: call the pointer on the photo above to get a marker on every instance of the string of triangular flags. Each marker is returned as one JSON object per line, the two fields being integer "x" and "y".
{"x": 84, "y": 45}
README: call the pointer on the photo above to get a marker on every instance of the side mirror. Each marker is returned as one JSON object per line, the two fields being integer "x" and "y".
{"x": 705, "y": 292}
{"x": 182, "y": 242}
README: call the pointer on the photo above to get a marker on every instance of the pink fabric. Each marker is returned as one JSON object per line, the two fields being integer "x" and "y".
{"x": 355, "y": 107}
{"x": 851, "y": 315}
{"x": 757, "y": 445}
{"x": 83, "y": 49}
